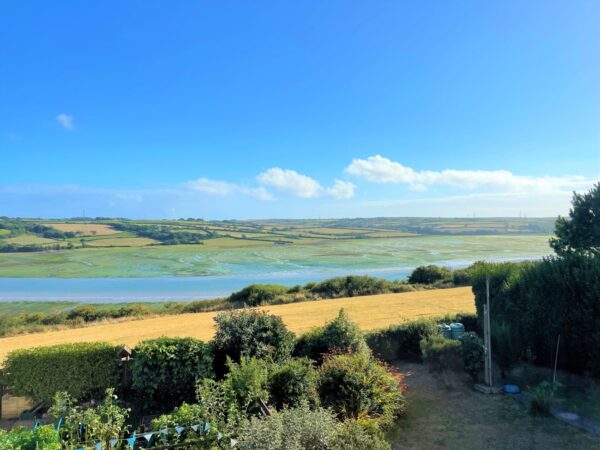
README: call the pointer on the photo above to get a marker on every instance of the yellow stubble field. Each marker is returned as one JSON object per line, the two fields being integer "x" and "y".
{"x": 370, "y": 312}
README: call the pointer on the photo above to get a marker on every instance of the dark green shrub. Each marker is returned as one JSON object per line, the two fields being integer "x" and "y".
{"x": 401, "y": 341}
{"x": 84, "y": 370}
{"x": 165, "y": 371}
{"x": 441, "y": 354}
{"x": 542, "y": 396}
{"x": 290, "y": 429}
{"x": 258, "y": 294}
{"x": 473, "y": 354}
{"x": 42, "y": 438}
{"x": 341, "y": 335}
{"x": 505, "y": 344}
{"x": 429, "y": 274}
{"x": 294, "y": 383}
{"x": 461, "y": 277}
{"x": 250, "y": 333}
{"x": 357, "y": 386}
{"x": 350, "y": 286}
{"x": 248, "y": 382}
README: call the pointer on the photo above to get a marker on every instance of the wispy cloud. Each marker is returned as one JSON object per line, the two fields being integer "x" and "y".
{"x": 379, "y": 169}
{"x": 224, "y": 188}
{"x": 66, "y": 121}
{"x": 298, "y": 185}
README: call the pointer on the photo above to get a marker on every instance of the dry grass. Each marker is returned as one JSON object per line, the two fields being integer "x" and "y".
{"x": 28, "y": 239}
{"x": 86, "y": 229}
{"x": 121, "y": 242}
{"x": 370, "y": 312}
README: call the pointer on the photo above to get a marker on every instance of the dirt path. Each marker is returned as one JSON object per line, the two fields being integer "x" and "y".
{"x": 451, "y": 415}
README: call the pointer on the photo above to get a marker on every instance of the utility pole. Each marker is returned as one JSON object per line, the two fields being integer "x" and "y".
{"x": 488, "y": 334}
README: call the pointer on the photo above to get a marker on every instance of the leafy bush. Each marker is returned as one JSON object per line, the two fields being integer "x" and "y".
{"x": 541, "y": 300}
{"x": 81, "y": 426}
{"x": 429, "y": 274}
{"x": 505, "y": 343}
{"x": 341, "y": 335}
{"x": 350, "y": 286}
{"x": 84, "y": 370}
{"x": 542, "y": 396}
{"x": 401, "y": 341}
{"x": 258, "y": 294}
{"x": 472, "y": 354}
{"x": 357, "y": 435}
{"x": 42, "y": 438}
{"x": 441, "y": 354}
{"x": 357, "y": 386}
{"x": 290, "y": 429}
{"x": 294, "y": 383}
{"x": 165, "y": 371}
{"x": 250, "y": 333}
{"x": 461, "y": 277}
{"x": 248, "y": 382}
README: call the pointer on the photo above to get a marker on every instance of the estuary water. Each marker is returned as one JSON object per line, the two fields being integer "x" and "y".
{"x": 185, "y": 273}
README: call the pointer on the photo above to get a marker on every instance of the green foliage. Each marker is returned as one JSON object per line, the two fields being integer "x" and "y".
{"x": 542, "y": 396}
{"x": 441, "y": 354}
{"x": 258, "y": 294}
{"x": 461, "y": 277}
{"x": 186, "y": 416}
{"x": 341, "y": 335}
{"x": 401, "y": 341}
{"x": 350, "y": 286}
{"x": 42, "y": 438}
{"x": 580, "y": 233}
{"x": 290, "y": 429}
{"x": 165, "y": 371}
{"x": 357, "y": 386}
{"x": 294, "y": 383}
{"x": 252, "y": 334}
{"x": 358, "y": 435}
{"x": 472, "y": 350}
{"x": 86, "y": 426}
{"x": 248, "y": 382}
{"x": 84, "y": 370}
{"x": 540, "y": 301}
{"x": 429, "y": 274}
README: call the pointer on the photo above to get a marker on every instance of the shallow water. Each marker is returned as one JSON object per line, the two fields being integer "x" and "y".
{"x": 188, "y": 273}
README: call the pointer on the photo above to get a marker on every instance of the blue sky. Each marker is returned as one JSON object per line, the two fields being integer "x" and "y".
{"x": 297, "y": 109}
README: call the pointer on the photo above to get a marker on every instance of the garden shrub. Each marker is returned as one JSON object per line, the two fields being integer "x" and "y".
{"x": 542, "y": 396}
{"x": 294, "y": 383}
{"x": 473, "y": 354}
{"x": 42, "y": 438}
{"x": 248, "y": 382}
{"x": 505, "y": 343}
{"x": 165, "y": 371}
{"x": 429, "y": 274}
{"x": 341, "y": 335}
{"x": 441, "y": 354}
{"x": 358, "y": 435}
{"x": 84, "y": 370}
{"x": 290, "y": 429}
{"x": 401, "y": 341}
{"x": 82, "y": 427}
{"x": 258, "y": 294}
{"x": 357, "y": 386}
{"x": 252, "y": 334}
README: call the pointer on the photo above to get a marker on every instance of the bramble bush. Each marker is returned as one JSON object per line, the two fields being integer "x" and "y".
{"x": 165, "y": 371}
{"x": 357, "y": 386}
{"x": 250, "y": 333}
{"x": 84, "y": 370}
{"x": 341, "y": 335}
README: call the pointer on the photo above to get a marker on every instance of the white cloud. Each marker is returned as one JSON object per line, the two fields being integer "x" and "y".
{"x": 224, "y": 188}
{"x": 66, "y": 121}
{"x": 294, "y": 183}
{"x": 379, "y": 169}
{"x": 341, "y": 190}
{"x": 291, "y": 182}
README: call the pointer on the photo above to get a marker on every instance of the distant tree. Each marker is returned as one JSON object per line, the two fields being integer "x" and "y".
{"x": 580, "y": 232}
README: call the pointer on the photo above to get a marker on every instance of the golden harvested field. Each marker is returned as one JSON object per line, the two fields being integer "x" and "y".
{"x": 370, "y": 312}
{"x": 86, "y": 229}
{"x": 121, "y": 242}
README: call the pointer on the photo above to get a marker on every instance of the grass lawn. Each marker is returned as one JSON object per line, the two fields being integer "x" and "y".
{"x": 370, "y": 312}
{"x": 457, "y": 417}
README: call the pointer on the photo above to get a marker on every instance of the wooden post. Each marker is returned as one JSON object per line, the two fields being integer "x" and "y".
{"x": 488, "y": 335}
{"x": 556, "y": 360}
